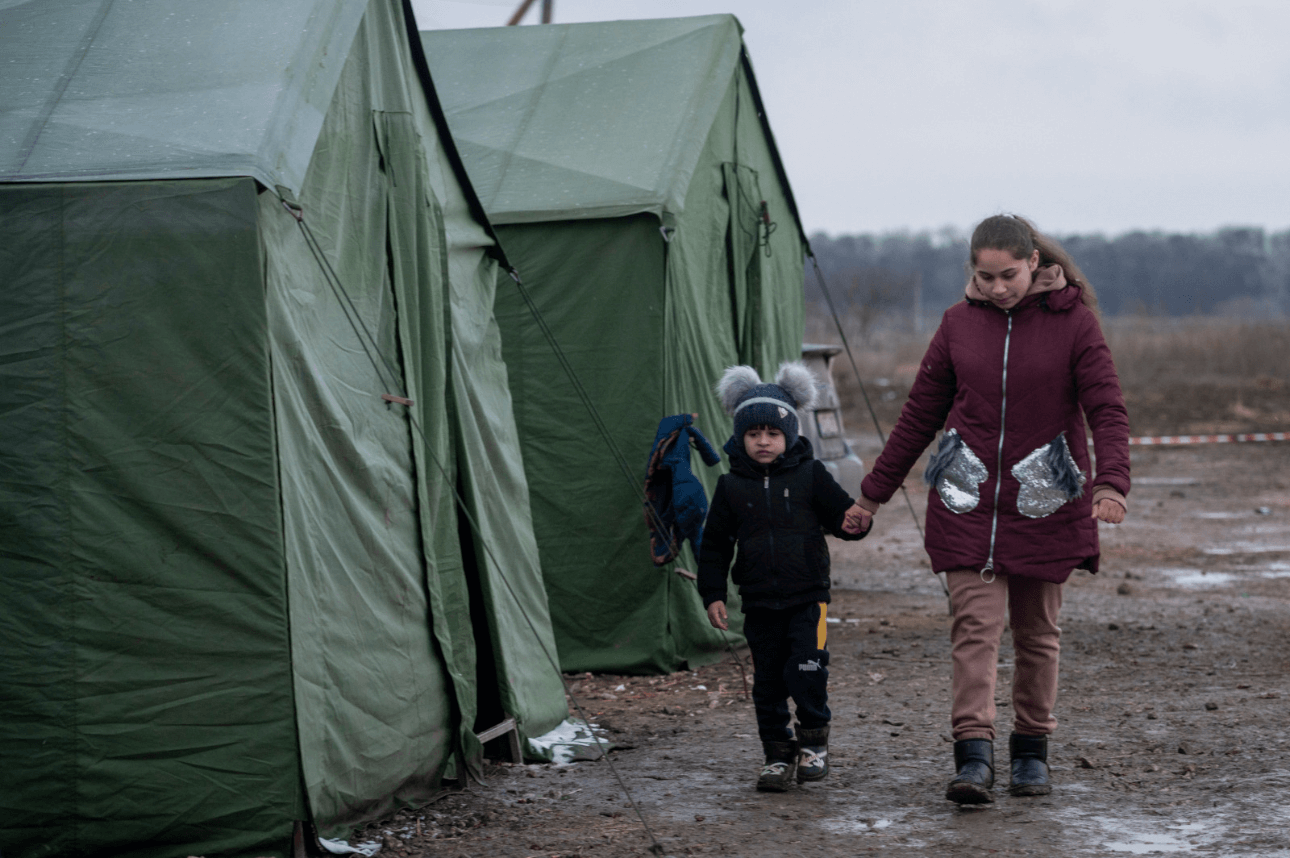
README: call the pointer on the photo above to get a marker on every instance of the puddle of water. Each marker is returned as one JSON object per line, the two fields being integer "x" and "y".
{"x": 1261, "y": 529}
{"x": 1129, "y": 833}
{"x": 1143, "y": 837}
{"x": 1266, "y": 574}
{"x": 864, "y": 825}
{"x": 1276, "y": 566}
{"x": 1147, "y": 844}
{"x": 1223, "y": 515}
{"x": 1246, "y": 548}
{"x": 1165, "y": 481}
{"x": 1196, "y": 578}
{"x": 1076, "y": 787}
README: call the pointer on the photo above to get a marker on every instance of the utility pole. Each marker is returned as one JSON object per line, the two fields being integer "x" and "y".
{"x": 548, "y": 10}
{"x": 918, "y": 302}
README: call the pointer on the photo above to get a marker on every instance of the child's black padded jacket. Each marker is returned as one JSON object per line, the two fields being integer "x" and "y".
{"x": 776, "y": 515}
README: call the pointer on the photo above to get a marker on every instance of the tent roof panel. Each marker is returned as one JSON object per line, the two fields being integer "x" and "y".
{"x": 629, "y": 102}
{"x": 97, "y": 90}
{"x": 576, "y": 191}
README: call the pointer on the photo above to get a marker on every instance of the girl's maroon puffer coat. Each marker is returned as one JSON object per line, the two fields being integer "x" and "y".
{"x": 1011, "y": 389}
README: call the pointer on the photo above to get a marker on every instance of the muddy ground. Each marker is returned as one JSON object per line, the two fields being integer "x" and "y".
{"x": 1173, "y": 709}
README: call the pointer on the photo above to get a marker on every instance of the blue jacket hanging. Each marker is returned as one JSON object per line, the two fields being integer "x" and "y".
{"x": 675, "y": 502}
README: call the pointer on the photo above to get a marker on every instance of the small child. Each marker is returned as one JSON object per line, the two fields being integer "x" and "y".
{"x": 775, "y": 505}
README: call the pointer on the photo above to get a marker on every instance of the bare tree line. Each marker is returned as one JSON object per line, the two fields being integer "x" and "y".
{"x": 907, "y": 279}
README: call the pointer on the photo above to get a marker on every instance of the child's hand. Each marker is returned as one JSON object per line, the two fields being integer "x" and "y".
{"x": 717, "y": 615}
{"x": 857, "y": 519}
{"x": 1109, "y": 511}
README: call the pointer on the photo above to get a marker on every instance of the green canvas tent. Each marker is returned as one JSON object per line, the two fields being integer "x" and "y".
{"x": 630, "y": 172}
{"x": 235, "y": 589}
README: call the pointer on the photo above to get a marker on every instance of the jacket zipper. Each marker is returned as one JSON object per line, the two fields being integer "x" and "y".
{"x": 770, "y": 527}
{"x": 998, "y": 475}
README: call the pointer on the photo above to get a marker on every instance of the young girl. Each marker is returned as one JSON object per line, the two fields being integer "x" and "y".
{"x": 1011, "y": 375}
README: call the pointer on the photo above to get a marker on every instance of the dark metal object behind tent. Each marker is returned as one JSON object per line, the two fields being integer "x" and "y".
{"x": 548, "y": 9}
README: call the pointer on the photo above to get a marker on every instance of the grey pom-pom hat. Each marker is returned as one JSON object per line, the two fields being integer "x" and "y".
{"x": 753, "y": 402}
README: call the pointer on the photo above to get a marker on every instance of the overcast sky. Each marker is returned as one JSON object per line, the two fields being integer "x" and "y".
{"x": 1091, "y": 116}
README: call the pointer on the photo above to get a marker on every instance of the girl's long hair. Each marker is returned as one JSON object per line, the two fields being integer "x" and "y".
{"x": 1019, "y": 237}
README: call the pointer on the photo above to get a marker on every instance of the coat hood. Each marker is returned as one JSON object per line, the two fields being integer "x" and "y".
{"x": 1049, "y": 283}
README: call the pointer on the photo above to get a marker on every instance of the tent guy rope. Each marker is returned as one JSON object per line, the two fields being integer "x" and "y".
{"x": 828, "y": 297}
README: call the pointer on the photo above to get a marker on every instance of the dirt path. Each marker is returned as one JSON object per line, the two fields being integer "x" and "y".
{"x": 1173, "y": 739}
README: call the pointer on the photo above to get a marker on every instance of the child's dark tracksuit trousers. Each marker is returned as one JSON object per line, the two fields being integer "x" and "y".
{"x": 790, "y": 659}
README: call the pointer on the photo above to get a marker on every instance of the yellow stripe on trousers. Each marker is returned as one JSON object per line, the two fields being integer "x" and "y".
{"x": 822, "y": 630}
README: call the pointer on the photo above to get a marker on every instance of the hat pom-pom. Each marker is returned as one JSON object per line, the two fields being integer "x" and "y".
{"x": 798, "y": 382}
{"x": 735, "y": 382}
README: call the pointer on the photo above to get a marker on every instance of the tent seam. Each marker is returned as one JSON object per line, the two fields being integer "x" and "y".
{"x": 529, "y": 114}
{"x": 301, "y": 783}
{"x": 782, "y": 174}
{"x": 440, "y": 119}
{"x": 56, "y": 96}
{"x": 639, "y": 49}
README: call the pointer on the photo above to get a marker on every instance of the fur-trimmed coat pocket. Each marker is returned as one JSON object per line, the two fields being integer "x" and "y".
{"x": 1049, "y": 478}
{"x": 956, "y": 473}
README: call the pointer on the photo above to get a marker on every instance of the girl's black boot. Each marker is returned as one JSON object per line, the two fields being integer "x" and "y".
{"x": 1029, "y": 765}
{"x": 974, "y": 760}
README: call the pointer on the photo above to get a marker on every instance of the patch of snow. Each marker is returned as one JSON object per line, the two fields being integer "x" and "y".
{"x": 570, "y": 740}
{"x": 341, "y": 847}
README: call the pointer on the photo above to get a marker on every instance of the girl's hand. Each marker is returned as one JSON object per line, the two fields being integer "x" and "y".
{"x": 1109, "y": 511}
{"x": 717, "y": 615}
{"x": 857, "y": 520}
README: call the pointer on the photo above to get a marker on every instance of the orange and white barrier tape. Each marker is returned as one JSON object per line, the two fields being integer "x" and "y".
{"x": 1173, "y": 440}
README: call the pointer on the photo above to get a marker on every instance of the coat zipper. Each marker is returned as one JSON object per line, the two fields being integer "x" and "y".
{"x": 770, "y": 527}
{"x": 998, "y": 476}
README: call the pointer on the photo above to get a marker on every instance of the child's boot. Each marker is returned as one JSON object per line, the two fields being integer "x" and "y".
{"x": 781, "y": 759}
{"x": 1029, "y": 765}
{"x": 812, "y": 754}
{"x": 974, "y": 761}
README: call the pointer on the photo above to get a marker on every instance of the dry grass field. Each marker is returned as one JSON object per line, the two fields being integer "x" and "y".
{"x": 1203, "y": 375}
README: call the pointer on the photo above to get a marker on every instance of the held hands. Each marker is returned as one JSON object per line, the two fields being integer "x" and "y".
{"x": 857, "y": 519}
{"x": 717, "y": 615}
{"x": 1109, "y": 511}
